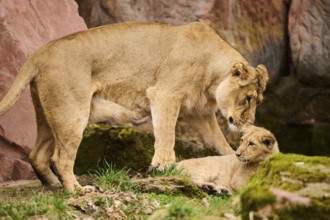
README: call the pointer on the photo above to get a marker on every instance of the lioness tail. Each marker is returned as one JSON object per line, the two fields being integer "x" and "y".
{"x": 22, "y": 80}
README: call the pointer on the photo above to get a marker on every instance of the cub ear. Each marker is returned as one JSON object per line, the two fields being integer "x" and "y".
{"x": 269, "y": 141}
{"x": 240, "y": 70}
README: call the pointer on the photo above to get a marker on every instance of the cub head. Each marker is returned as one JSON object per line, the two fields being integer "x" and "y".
{"x": 240, "y": 93}
{"x": 257, "y": 144}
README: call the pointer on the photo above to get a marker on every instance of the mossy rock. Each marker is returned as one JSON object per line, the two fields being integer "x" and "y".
{"x": 289, "y": 186}
{"x": 125, "y": 147}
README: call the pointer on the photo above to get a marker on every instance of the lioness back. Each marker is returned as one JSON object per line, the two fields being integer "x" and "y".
{"x": 132, "y": 59}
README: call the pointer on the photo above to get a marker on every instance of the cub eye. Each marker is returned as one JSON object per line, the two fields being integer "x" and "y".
{"x": 251, "y": 143}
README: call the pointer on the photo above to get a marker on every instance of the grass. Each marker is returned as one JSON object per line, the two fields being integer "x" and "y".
{"x": 119, "y": 199}
{"x": 36, "y": 205}
{"x": 172, "y": 170}
{"x": 112, "y": 177}
{"x": 179, "y": 206}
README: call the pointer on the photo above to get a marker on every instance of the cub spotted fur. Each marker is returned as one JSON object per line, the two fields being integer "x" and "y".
{"x": 228, "y": 173}
{"x": 125, "y": 73}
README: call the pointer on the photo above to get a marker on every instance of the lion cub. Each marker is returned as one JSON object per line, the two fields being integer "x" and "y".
{"x": 228, "y": 173}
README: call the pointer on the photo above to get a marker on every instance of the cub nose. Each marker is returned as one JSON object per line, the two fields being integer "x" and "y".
{"x": 231, "y": 120}
{"x": 238, "y": 154}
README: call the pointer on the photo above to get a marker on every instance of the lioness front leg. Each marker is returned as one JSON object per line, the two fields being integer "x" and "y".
{"x": 164, "y": 111}
{"x": 211, "y": 133}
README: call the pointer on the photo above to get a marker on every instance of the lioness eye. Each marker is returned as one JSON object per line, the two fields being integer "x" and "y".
{"x": 248, "y": 99}
{"x": 250, "y": 143}
{"x": 236, "y": 73}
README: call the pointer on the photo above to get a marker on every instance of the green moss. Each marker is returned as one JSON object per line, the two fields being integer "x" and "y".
{"x": 283, "y": 166}
{"x": 254, "y": 198}
{"x": 295, "y": 173}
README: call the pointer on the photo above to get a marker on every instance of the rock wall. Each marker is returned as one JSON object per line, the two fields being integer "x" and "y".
{"x": 25, "y": 25}
{"x": 291, "y": 37}
{"x": 310, "y": 41}
{"x": 298, "y": 105}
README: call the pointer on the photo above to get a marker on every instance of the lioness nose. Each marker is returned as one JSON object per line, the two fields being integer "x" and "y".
{"x": 231, "y": 120}
{"x": 238, "y": 154}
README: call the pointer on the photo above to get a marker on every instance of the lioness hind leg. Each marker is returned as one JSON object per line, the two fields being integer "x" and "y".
{"x": 104, "y": 110}
{"x": 44, "y": 147}
{"x": 41, "y": 154}
{"x": 68, "y": 135}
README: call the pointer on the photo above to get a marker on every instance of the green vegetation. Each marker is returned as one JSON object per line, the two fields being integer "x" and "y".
{"x": 37, "y": 204}
{"x": 168, "y": 171}
{"x": 116, "y": 198}
{"x": 109, "y": 177}
{"x": 300, "y": 183}
{"x": 303, "y": 181}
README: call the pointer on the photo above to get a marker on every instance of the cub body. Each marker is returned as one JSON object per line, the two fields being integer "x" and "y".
{"x": 231, "y": 172}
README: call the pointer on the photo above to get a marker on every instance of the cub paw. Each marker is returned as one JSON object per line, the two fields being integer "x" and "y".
{"x": 216, "y": 190}
{"x": 224, "y": 191}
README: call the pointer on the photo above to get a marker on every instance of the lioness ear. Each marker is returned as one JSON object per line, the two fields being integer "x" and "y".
{"x": 268, "y": 141}
{"x": 240, "y": 70}
{"x": 262, "y": 78}
{"x": 262, "y": 75}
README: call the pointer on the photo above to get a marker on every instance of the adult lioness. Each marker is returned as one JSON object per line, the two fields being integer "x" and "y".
{"x": 125, "y": 72}
{"x": 228, "y": 173}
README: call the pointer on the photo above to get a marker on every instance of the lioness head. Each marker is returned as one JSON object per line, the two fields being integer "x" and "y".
{"x": 256, "y": 144}
{"x": 238, "y": 95}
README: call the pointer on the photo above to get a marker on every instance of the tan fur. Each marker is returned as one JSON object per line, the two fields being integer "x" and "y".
{"x": 231, "y": 172}
{"x": 125, "y": 73}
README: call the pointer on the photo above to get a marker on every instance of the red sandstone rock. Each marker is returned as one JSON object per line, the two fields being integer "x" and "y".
{"x": 256, "y": 28}
{"x": 25, "y": 25}
{"x": 309, "y": 33}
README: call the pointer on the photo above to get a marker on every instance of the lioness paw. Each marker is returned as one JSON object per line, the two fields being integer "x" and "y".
{"x": 85, "y": 189}
{"x": 163, "y": 159}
